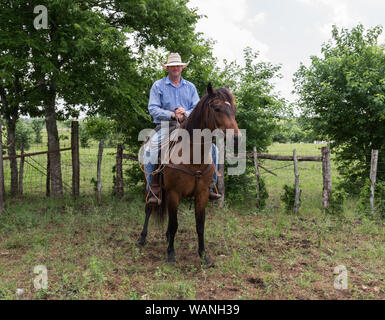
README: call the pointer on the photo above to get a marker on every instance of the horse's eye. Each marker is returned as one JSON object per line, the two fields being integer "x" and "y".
{"x": 217, "y": 110}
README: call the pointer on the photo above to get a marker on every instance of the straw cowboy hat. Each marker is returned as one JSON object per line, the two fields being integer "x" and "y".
{"x": 174, "y": 59}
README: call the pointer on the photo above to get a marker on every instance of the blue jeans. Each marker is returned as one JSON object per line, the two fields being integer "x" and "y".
{"x": 151, "y": 154}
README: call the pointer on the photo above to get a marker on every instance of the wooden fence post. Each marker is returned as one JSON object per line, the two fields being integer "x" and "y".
{"x": 119, "y": 172}
{"x": 327, "y": 180}
{"x": 297, "y": 189}
{"x": 373, "y": 175}
{"x": 257, "y": 175}
{"x": 75, "y": 159}
{"x": 221, "y": 184}
{"x": 21, "y": 170}
{"x": 2, "y": 188}
{"x": 99, "y": 167}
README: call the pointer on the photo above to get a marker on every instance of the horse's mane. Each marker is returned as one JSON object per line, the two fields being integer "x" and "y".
{"x": 199, "y": 117}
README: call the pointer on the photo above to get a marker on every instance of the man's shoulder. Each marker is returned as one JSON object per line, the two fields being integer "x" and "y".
{"x": 189, "y": 84}
{"x": 159, "y": 82}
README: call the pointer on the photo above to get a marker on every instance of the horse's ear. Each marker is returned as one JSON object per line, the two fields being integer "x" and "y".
{"x": 210, "y": 89}
{"x": 231, "y": 95}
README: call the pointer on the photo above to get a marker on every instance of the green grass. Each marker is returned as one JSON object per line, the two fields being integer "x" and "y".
{"x": 90, "y": 253}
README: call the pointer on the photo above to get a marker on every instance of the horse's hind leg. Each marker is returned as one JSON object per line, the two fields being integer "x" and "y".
{"x": 172, "y": 227}
{"x": 143, "y": 235}
{"x": 167, "y": 235}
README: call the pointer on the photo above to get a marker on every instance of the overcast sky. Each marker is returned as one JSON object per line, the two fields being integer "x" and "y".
{"x": 285, "y": 32}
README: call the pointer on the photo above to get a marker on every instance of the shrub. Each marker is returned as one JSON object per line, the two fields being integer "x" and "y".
{"x": 336, "y": 204}
{"x": 288, "y": 198}
{"x": 84, "y": 136}
{"x": 237, "y": 187}
{"x": 379, "y": 199}
{"x": 23, "y": 135}
{"x": 37, "y": 126}
{"x": 263, "y": 194}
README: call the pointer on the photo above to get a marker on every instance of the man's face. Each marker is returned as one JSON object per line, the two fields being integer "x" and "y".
{"x": 175, "y": 71}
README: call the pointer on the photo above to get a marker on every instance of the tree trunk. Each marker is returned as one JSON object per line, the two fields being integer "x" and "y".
{"x": 2, "y": 188}
{"x": 48, "y": 179}
{"x": 11, "y": 146}
{"x": 21, "y": 171}
{"x": 119, "y": 172}
{"x": 99, "y": 166}
{"x": 75, "y": 159}
{"x": 53, "y": 144}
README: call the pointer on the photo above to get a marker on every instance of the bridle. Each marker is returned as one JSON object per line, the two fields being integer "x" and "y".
{"x": 211, "y": 111}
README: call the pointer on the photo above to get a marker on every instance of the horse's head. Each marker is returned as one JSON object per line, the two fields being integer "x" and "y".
{"x": 220, "y": 111}
{"x": 216, "y": 110}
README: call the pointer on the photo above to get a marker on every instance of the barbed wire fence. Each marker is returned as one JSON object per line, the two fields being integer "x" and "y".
{"x": 315, "y": 171}
{"x": 34, "y": 174}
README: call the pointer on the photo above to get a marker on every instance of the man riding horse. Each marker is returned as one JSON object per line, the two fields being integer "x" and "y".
{"x": 171, "y": 99}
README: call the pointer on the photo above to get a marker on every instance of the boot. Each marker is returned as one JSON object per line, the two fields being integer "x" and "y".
{"x": 213, "y": 196}
{"x": 154, "y": 196}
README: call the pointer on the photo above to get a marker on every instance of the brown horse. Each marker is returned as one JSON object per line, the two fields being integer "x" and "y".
{"x": 216, "y": 110}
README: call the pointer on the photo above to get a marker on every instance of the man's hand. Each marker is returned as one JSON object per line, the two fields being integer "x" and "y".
{"x": 180, "y": 114}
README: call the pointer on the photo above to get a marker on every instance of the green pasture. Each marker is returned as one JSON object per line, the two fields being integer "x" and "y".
{"x": 90, "y": 252}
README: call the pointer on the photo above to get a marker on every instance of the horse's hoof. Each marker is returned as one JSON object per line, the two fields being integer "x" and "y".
{"x": 171, "y": 259}
{"x": 207, "y": 263}
{"x": 141, "y": 242}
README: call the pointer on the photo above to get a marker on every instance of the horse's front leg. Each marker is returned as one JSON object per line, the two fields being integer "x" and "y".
{"x": 172, "y": 202}
{"x": 143, "y": 235}
{"x": 200, "y": 217}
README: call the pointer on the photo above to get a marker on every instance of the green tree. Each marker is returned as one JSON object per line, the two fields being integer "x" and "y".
{"x": 37, "y": 125}
{"x": 342, "y": 97}
{"x": 83, "y": 59}
{"x": 100, "y": 128}
{"x": 84, "y": 137}
{"x": 23, "y": 135}
{"x": 259, "y": 108}
{"x": 16, "y": 89}
{"x": 293, "y": 130}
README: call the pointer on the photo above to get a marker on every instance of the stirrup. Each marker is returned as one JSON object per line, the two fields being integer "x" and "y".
{"x": 153, "y": 200}
{"x": 213, "y": 196}
{"x": 154, "y": 195}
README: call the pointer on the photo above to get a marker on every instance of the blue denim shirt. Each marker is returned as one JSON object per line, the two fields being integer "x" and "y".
{"x": 165, "y": 98}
